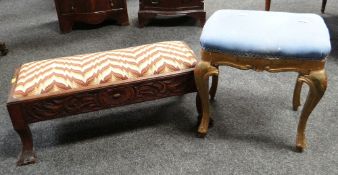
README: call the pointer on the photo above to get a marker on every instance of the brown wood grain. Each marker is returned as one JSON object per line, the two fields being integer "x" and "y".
{"x": 90, "y": 11}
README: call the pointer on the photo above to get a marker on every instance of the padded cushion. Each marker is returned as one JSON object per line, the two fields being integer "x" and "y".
{"x": 267, "y": 34}
{"x": 62, "y": 74}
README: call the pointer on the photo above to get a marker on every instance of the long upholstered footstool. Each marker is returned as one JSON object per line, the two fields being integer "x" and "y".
{"x": 55, "y": 88}
{"x": 265, "y": 41}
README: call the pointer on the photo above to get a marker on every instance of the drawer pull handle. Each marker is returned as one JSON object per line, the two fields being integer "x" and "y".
{"x": 117, "y": 95}
{"x": 155, "y": 2}
{"x": 112, "y": 3}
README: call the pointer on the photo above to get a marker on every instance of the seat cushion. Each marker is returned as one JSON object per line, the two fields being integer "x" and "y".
{"x": 84, "y": 71}
{"x": 267, "y": 34}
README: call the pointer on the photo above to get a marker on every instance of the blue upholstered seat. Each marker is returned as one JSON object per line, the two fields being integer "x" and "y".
{"x": 267, "y": 34}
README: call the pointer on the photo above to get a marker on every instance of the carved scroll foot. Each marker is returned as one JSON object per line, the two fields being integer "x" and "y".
{"x": 317, "y": 81}
{"x": 3, "y": 49}
{"x": 296, "y": 94}
{"x": 202, "y": 72}
{"x": 27, "y": 155}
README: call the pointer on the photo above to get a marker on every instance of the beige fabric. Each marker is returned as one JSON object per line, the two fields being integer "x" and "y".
{"x": 62, "y": 74}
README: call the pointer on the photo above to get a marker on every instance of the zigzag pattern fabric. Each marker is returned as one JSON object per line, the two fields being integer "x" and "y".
{"x": 62, "y": 74}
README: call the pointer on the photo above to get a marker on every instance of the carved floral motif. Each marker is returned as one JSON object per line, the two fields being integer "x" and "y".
{"x": 108, "y": 97}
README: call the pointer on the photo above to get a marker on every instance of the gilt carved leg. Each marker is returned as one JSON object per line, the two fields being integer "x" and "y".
{"x": 3, "y": 49}
{"x": 297, "y": 92}
{"x": 214, "y": 85}
{"x": 27, "y": 155}
{"x": 317, "y": 81}
{"x": 202, "y": 72}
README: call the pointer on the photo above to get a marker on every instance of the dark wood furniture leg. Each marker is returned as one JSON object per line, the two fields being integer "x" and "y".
{"x": 66, "y": 25}
{"x": 144, "y": 18}
{"x": 323, "y": 6}
{"x": 198, "y": 16}
{"x": 267, "y": 5}
{"x": 3, "y": 49}
{"x": 27, "y": 154}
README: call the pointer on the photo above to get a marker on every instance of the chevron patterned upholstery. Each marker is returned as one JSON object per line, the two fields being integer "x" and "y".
{"x": 62, "y": 74}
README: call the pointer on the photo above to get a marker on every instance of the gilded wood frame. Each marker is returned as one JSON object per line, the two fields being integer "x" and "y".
{"x": 311, "y": 72}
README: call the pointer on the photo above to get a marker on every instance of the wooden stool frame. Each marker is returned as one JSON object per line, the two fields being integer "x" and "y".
{"x": 311, "y": 72}
{"x": 27, "y": 110}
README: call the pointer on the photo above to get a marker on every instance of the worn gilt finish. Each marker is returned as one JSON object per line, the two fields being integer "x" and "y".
{"x": 46, "y": 107}
{"x": 202, "y": 72}
{"x": 310, "y": 72}
{"x": 3, "y": 49}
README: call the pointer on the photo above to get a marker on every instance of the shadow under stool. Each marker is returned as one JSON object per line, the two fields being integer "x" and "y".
{"x": 264, "y": 41}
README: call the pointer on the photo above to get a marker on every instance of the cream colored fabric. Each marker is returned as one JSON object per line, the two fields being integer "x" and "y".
{"x": 62, "y": 74}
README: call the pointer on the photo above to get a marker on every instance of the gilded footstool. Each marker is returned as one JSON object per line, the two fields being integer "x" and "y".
{"x": 265, "y": 41}
{"x": 55, "y": 88}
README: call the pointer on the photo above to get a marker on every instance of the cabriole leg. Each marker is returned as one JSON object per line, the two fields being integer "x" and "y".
{"x": 202, "y": 72}
{"x": 27, "y": 155}
{"x": 317, "y": 81}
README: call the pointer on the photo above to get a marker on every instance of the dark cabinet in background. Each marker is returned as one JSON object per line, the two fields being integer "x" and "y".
{"x": 90, "y": 11}
{"x": 151, "y": 8}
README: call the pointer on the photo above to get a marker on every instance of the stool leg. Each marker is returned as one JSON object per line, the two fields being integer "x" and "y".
{"x": 202, "y": 72}
{"x": 297, "y": 92}
{"x": 27, "y": 155}
{"x": 214, "y": 85}
{"x": 267, "y": 5}
{"x": 323, "y": 6}
{"x": 199, "y": 110}
{"x": 317, "y": 81}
